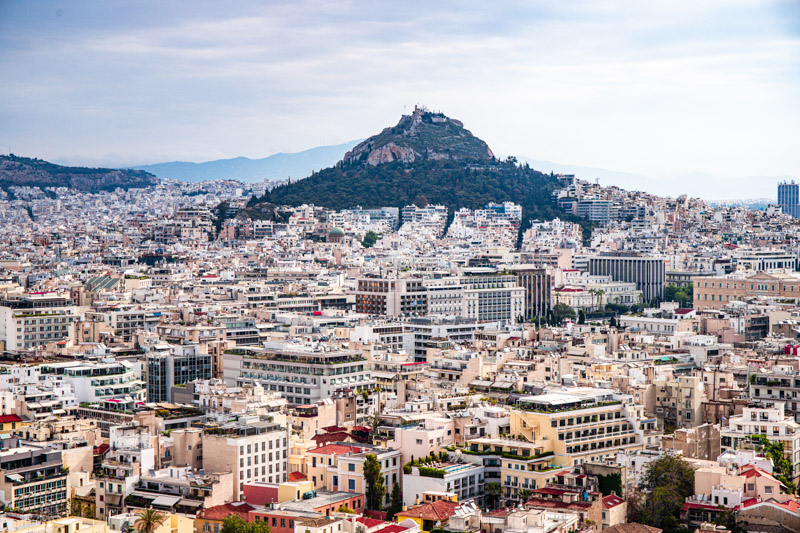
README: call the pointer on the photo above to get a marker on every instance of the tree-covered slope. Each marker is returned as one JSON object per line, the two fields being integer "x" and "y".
{"x": 28, "y": 172}
{"x": 439, "y": 181}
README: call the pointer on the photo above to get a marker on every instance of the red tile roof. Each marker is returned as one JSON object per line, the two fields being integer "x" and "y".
{"x": 541, "y": 503}
{"x": 393, "y": 528}
{"x": 325, "y": 438}
{"x": 439, "y": 510}
{"x": 336, "y": 449}
{"x": 297, "y": 476}
{"x": 7, "y": 419}
{"x": 611, "y": 501}
{"x": 221, "y": 512}
{"x": 101, "y": 450}
{"x": 369, "y": 522}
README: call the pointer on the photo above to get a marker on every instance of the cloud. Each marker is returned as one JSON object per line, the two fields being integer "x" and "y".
{"x": 649, "y": 87}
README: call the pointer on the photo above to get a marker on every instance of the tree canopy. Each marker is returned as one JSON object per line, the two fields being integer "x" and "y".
{"x": 376, "y": 490}
{"x": 666, "y": 483}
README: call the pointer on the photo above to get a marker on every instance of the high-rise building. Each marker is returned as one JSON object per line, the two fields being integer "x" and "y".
{"x": 179, "y": 366}
{"x": 789, "y": 198}
{"x": 649, "y": 273}
{"x": 536, "y": 283}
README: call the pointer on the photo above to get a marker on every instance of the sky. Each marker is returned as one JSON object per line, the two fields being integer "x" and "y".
{"x": 660, "y": 88}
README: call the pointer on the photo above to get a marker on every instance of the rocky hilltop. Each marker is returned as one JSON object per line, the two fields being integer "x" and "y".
{"x": 28, "y": 172}
{"x": 426, "y": 157}
{"x": 419, "y": 136}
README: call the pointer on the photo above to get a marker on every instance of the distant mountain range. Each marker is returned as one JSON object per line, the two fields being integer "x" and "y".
{"x": 302, "y": 164}
{"x": 275, "y": 167}
{"x": 30, "y": 172}
{"x": 694, "y": 184}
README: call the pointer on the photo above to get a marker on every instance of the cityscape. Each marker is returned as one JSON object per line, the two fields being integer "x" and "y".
{"x": 405, "y": 333}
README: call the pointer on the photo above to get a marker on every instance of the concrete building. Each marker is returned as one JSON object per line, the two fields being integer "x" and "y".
{"x": 177, "y": 366}
{"x": 252, "y": 451}
{"x": 35, "y": 320}
{"x": 789, "y": 198}
{"x": 649, "y": 273}
{"x": 466, "y": 480}
{"x": 536, "y": 283}
{"x": 679, "y": 402}
{"x": 770, "y": 421}
{"x": 305, "y": 373}
{"x": 32, "y": 478}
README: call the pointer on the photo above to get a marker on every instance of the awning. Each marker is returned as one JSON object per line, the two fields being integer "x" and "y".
{"x": 166, "y": 501}
{"x": 113, "y": 499}
{"x": 190, "y": 503}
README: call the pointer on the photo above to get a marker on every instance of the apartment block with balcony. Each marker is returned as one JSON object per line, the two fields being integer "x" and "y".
{"x": 515, "y": 464}
{"x": 340, "y": 467}
{"x": 96, "y": 381}
{"x": 130, "y": 455}
{"x": 465, "y": 479}
{"x": 252, "y": 451}
{"x": 35, "y": 320}
{"x": 303, "y": 373}
{"x": 770, "y": 420}
{"x": 32, "y": 478}
{"x": 779, "y": 383}
{"x": 579, "y": 425}
{"x": 679, "y": 402}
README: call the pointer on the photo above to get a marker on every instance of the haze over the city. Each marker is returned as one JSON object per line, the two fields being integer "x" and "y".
{"x": 658, "y": 89}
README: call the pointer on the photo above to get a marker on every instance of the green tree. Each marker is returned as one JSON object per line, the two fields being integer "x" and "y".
{"x": 149, "y": 520}
{"x": 562, "y": 312}
{"x": 524, "y": 495}
{"x": 369, "y": 239}
{"x": 493, "y": 491}
{"x": 376, "y": 490}
{"x": 610, "y": 482}
{"x": 782, "y": 467}
{"x": 613, "y": 322}
{"x": 235, "y": 524}
{"x": 396, "y": 502}
{"x": 581, "y": 317}
{"x": 667, "y": 482}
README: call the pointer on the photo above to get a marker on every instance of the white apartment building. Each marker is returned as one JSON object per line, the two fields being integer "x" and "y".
{"x": 131, "y": 455}
{"x": 770, "y": 421}
{"x": 95, "y": 381}
{"x": 35, "y": 320}
{"x": 464, "y": 479}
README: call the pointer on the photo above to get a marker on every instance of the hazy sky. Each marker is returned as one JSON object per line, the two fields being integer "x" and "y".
{"x": 655, "y": 87}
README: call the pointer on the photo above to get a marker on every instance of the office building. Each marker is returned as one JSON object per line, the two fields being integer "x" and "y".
{"x": 649, "y": 273}
{"x": 789, "y": 198}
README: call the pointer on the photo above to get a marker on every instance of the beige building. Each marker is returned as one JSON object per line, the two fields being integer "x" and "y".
{"x": 716, "y": 292}
{"x": 579, "y": 425}
{"x": 679, "y": 401}
{"x": 253, "y": 452}
{"x": 69, "y": 525}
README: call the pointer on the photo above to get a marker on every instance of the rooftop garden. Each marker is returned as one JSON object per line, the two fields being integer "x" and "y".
{"x": 542, "y": 409}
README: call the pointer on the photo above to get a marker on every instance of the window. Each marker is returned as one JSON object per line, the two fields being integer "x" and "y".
{"x": 351, "y": 467}
{"x": 351, "y": 484}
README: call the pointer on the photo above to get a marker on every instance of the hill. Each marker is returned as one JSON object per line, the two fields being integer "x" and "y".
{"x": 25, "y": 171}
{"x": 425, "y": 157}
{"x": 275, "y": 167}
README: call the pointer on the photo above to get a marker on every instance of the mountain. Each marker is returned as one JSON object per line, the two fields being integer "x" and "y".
{"x": 24, "y": 171}
{"x": 275, "y": 167}
{"x": 425, "y": 157}
{"x": 420, "y": 136}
